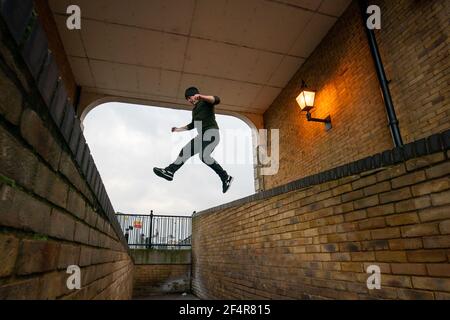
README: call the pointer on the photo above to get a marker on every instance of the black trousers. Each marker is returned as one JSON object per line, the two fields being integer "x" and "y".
{"x": 203, "y": 144}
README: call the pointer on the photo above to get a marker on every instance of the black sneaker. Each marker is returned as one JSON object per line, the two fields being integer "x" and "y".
{"x": 163, "y": 173}
{"x": 226, "y": 184}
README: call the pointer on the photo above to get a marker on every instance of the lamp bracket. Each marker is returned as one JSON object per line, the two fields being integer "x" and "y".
{"x": 327, "y": 121}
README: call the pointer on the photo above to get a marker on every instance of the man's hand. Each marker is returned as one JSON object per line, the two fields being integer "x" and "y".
{"x": 175, "y": 129}
{"x": 197, "y": 97}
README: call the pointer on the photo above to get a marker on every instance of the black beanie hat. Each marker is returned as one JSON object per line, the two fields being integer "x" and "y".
{"x": 192, "y": 91}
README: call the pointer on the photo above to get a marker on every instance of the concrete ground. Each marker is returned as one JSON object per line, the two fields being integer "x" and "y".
{"x": 172, "y": 296}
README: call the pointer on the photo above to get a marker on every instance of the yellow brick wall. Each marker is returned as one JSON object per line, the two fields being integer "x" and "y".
{"x": 414, "y": 42}
{"x": 317, "y": 242}
{"x": 154, "y": 279}
{"x": 414, "y": 45}
{"x": 50, "y": 216}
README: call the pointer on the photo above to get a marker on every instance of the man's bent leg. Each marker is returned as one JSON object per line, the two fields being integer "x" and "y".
{"x": 218, "y": 169}
{"x": 187, "y": 152}
{"x": 211, "y": 139}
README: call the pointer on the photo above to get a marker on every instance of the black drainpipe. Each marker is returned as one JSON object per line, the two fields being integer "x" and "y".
{"x": 384, "y": 83}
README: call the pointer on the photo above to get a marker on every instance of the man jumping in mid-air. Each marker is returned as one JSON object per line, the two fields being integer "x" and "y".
{"x": 204, "y": 120}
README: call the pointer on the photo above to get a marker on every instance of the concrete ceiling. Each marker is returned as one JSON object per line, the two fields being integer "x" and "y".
{"x": 244, "y": 51}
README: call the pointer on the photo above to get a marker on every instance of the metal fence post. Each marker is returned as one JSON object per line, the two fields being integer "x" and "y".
{"x": 151, "y": 229}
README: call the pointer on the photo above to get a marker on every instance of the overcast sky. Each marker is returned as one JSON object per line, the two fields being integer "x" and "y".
{"x": 127, "y": 141}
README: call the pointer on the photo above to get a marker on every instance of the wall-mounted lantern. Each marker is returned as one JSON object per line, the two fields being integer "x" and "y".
{"x": 306, "y": 101}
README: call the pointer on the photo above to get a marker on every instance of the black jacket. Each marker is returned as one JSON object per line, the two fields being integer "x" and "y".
{"x": 204, "y": 112}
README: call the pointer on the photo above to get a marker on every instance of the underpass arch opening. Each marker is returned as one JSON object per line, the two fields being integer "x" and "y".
{"x": 257, "y": 178}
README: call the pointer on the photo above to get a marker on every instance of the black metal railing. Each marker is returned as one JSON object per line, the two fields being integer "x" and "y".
{"x": 156, "y": 231}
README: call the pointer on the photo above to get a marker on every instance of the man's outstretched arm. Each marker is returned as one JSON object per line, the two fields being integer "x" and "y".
{"x": 188, "y": 127}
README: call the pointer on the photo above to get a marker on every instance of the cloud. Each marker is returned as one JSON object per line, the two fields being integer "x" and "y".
{"x": 127, "y": 141}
